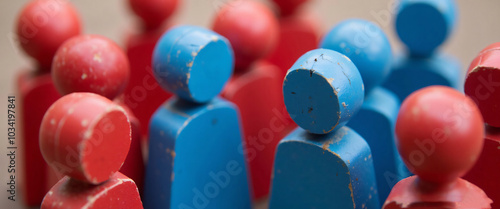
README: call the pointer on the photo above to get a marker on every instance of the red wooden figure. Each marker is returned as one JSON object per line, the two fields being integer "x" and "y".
{"x": 439, "y": 136}
{"x": 42, "y": 26}
{"x": 482, "y": 84}
{"x": 255, "y": 86}
{"x": 91, "y": 63}
{"x": 143, "y": 95}
{"x": 299, "y": 33}
{"x": 87, "y": 137}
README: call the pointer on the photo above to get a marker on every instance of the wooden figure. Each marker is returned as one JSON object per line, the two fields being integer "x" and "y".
{"x": 299, "y": 33}
{"x": 143, "y": 95}
{"x": 439, "y": 136}
{"x": 87, "y": 137}
{"x": 41, "y": 27}
{"x": 323, "y": 164}
{"x": 424, "y": 25}
{"x": 95, "y": 64}
{"x": 369, "y": 49}
{"x": 196, "y": 157}
{"x": 482, "y": 85}
{"x": 255, "y": 86}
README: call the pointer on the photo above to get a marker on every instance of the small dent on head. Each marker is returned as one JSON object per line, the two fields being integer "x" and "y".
{"x": 97, "y": 57}
{"x": 346, "y": 58}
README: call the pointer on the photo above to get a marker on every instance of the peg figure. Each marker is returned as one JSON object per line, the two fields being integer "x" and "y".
{"x": 95, "y": 64}
{"x": 196, "y": 154}
{"x": 42, "y": 26}
{"x": 423, "y": 26}
{"x": 439, "y": 136}
{"x": 87, "y": 137}
{"x": 323, "y": 163}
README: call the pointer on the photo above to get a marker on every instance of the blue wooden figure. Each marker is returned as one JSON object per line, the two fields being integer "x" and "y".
{"x": 423, "y": 25}
{"x": 195, "y": 146}
{"x": 323, "y": 163}
{"x": 369, "y": 49}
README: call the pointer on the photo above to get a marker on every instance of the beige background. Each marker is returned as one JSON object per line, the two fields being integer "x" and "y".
{"x": 478, "y": 27}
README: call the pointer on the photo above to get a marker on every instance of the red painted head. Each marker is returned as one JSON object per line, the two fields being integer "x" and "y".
{"x": 91, "y": 63}
{"x": 43, "y": 25}
{"x": 440, "y": 133}
{"x": 251, "y": 28}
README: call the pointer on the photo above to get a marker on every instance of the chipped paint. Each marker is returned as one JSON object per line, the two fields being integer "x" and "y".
{"x": 352, "y": 195}
{"x": 97, "y": 57}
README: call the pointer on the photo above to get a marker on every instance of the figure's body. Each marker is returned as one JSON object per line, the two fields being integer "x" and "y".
{"x": 87, "y": 137}
{"x": 196, "y": 156}
{"x": 255, "y": 87}
{"x": 369, "y": 49}
{"x": 323, "y": 164}
{"x": 440, "y": 136}
{"x": 482, "y": 86}
{"x": 35, "y": 87}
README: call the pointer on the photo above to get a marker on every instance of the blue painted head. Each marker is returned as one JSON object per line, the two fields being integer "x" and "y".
{"x": 366, "y": 45}
{"x": 193, "y": 62}
{"x": 322, "y": 91}
{"x": 423, "y": 25}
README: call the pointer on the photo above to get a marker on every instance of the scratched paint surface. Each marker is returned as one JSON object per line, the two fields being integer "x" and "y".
{"x": 309, "y": 166}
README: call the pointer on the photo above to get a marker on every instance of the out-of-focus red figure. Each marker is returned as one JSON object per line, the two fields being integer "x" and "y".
{"x": 439, "y": 136}
{"x": 42, "y": 26}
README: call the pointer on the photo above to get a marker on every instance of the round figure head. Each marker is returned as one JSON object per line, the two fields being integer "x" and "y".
{"x": 423, "y": 25}
{"x": 440, "y": 134}
{"x": 322, "y": 91}
{"x": 251, "y": 28}
{"x": 482, "y": 83}
{"x": 366, "y": 45}
{"x": 85, "y": 136}
{"x": 288, "y": 7}
{"x": 153, "y": 12}
{"x": 193, "y": 63}
{"x": 43, "y": 25}
{"x": 91, "y": 63}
